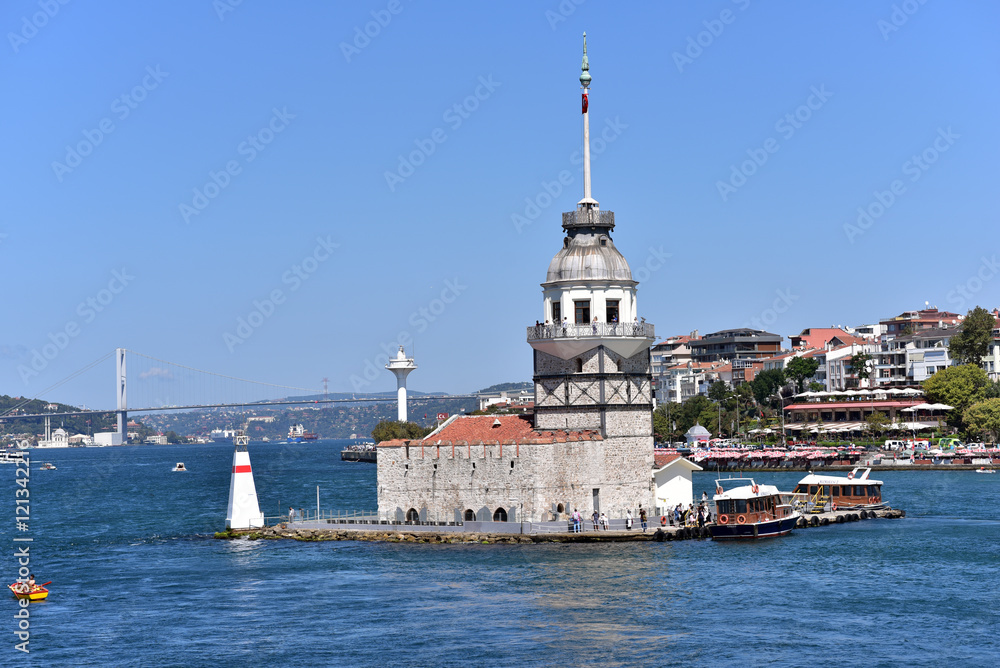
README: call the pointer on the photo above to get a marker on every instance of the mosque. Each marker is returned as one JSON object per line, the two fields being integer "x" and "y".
{"x": 589, "y": 444}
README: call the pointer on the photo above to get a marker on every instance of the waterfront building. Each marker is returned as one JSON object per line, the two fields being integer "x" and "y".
{"x": 673, "y": 481}
{"x": 909, "y": 322}
{"x": 733, "y": 344}
{"x": 911, "y": 359}
{"x": 683, "y": 381}
{"x": 821, "y": 337}
{"x": 697, "y": 436}
{"x": 589, "y": 444}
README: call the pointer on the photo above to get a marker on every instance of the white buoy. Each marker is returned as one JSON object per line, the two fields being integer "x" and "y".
{"x": 244, "y": 511}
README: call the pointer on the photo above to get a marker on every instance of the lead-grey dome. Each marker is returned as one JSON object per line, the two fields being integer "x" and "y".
{"x": 590, "y": 257}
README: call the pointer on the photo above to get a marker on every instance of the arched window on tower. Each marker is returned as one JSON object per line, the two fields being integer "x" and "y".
{"x": 412, "y": 515}
{"x": 470, "y": 515}
{"x": 500, "y": 515}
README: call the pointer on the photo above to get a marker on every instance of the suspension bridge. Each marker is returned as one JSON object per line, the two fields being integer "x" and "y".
{"x": 158, "y": 385}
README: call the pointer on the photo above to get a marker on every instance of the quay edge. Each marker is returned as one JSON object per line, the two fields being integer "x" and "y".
{"x": 411, "y": 534}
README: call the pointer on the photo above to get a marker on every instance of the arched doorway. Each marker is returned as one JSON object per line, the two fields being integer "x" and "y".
{"x": 500, "y": 515}
{"x": 412, "y": 515}
{"x": 470, "y": 515}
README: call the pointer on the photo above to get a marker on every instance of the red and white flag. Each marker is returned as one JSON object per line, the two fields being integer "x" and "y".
{"x": 584, "y": 101}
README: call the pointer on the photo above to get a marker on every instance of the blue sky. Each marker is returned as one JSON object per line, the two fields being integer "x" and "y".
{"x": 171, "y": 168}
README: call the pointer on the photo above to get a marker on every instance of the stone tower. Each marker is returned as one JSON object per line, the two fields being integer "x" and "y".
{"x": 591, "y": 359}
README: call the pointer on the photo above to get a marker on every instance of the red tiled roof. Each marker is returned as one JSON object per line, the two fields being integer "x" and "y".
{"x": 661, "y": 460}
{"x": 511, "y": 429}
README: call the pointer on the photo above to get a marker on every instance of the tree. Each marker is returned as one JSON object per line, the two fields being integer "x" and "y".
{"x": 861, "y": 366}
{"x": 984, "y": 417}
{"x": 815, "y": 387}
{"x": 876, "y": 423}
{"x": 172, "y": 437}
{"x": 959, "y": 387}
{"x": 766, "y": 383}
{"x": 387, "y": 430}
{"x": 718, "y": 391}
{"x": 800, "y": 368}
{"x": 972, "y": 342}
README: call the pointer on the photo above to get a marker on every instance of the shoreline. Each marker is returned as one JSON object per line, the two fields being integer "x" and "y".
{"x": 401, "y": 534}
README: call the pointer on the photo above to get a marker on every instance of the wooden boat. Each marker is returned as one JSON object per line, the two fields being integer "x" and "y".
{"x": 20, "y": 591}
{"x": 820, "y": 493}
{"x": 746, "y": 510}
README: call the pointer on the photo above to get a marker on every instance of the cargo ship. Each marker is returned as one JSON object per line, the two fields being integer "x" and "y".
{"x": 297, "y": 434}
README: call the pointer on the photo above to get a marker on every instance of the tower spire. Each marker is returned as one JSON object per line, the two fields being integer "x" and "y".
{"x": 587, "y": 200}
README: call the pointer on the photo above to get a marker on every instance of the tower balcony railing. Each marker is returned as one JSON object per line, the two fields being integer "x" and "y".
{"x": 642, "y": 330}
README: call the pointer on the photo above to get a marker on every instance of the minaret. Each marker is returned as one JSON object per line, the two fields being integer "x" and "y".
{"x": 401, "y": 367}
{"x": 592, "y": 362}
{"x": 244, "y": 511}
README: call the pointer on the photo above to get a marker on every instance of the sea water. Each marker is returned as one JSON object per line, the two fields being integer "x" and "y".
{"x": 138, "y": 579}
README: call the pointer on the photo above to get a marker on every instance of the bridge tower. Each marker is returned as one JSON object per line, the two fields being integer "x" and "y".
{"x": 122, "y": 400}
{"x": 244, "y": 510}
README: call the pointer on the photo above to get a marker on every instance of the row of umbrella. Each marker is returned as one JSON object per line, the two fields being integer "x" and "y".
{"x": 906, "y": 391}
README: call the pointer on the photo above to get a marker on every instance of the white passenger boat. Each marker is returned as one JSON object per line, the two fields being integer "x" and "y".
{"x": 983, "y": 469}
{"x": 746, "y": 510}
{"x": 179, "y": 467}
{"x": 11, "y": 457}
{"x": 855, "y": 491}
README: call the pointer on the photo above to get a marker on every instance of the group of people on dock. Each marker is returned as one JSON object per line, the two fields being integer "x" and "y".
{"x": 690, "y": 516}
{"x": 600, "y": 521}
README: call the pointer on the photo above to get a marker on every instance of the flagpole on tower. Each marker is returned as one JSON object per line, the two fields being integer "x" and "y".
{"x": 585, "y": 84}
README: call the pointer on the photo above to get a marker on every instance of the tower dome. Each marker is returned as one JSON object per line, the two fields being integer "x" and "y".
{"x": 589, "y": 257}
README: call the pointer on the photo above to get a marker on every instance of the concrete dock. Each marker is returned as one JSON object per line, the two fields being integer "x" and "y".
{"x": 320, "y": 531}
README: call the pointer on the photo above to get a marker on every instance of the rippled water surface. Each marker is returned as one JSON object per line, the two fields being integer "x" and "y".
{"x": 138, "y": 579}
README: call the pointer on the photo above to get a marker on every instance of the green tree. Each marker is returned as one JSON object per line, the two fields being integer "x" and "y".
{"x": 861, "y": 366}
{"x": 718, "y": 391}
{"x": 815, "y": 387}
{"x": 800, "y": 368}
{"x": 959, "y": 387}
{"x": 876, "y": 423}
{"x": 172, "y": 437}
{"x": 766, "y": 383}
{"x": 972, "y": 342}
{"x": 387, "y": 430}
{"x": 984, "y": 418}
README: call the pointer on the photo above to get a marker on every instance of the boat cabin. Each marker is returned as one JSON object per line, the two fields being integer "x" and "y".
{"x": 854, "y": 490}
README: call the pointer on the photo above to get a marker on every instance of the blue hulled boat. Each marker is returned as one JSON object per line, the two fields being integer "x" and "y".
{"x": 745, "y": 510}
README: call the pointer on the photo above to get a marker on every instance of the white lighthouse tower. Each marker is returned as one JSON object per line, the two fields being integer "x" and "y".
{"x": 244, "y": 511}
{"x": 401, "y": 366}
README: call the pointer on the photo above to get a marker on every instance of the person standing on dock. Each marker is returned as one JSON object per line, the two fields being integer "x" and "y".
{"x": 596, "y": 519}
{"x": 642, "y": 518}
{"x": 291, "y": 514}
{"x": 577, "y": 520}
{"x": 628, "y": 519}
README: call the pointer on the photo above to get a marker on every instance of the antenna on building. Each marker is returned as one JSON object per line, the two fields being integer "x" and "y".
{"x": 585, "y": 85}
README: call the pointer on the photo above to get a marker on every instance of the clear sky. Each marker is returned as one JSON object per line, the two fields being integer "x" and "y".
{"x": 170, "y": 168}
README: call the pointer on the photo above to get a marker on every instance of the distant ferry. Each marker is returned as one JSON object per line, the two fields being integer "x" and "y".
{"x": 297, "y": 434}
{"x": 222, "y": 435}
